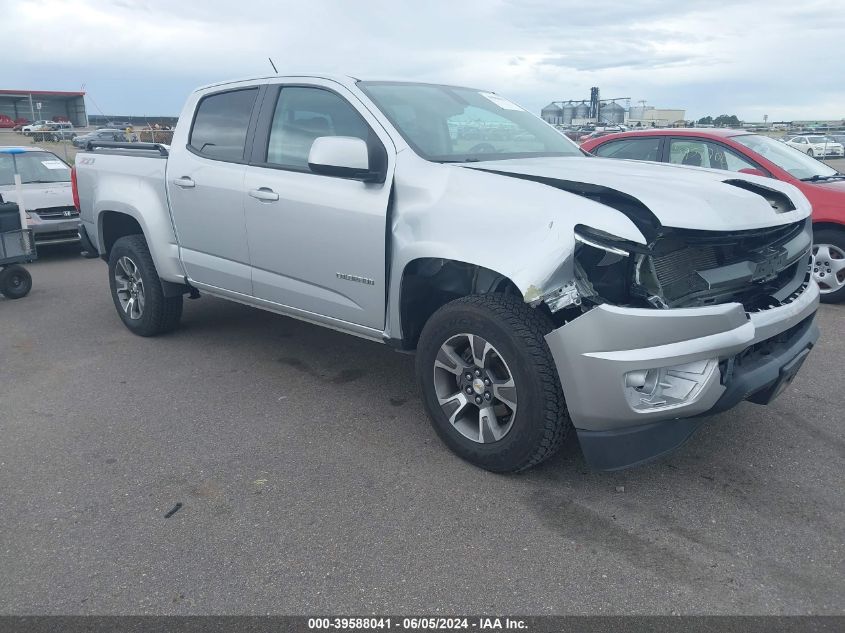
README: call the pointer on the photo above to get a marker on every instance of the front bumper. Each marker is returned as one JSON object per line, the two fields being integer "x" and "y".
{"x": 745, "y": 356}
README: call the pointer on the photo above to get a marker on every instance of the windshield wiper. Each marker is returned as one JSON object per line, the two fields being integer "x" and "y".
{"x": 817, "y": 177}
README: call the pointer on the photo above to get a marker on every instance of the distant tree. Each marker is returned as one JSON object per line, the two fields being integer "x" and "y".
{"x": 725, "y": 120}
{"x": 706, "y": 120}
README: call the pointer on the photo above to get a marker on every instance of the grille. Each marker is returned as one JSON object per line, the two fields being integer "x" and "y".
{"x": 692, "y": 268}
{"x": 57, "y": 213}
{"x": 676, "y": 271}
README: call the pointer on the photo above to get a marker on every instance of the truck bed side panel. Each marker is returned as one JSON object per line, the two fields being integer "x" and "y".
{"x": 135, "y": 186}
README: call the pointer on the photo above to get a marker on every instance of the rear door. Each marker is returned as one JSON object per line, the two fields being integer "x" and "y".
{"x": 205, "y": 184}
{"x": 317, "y": 242}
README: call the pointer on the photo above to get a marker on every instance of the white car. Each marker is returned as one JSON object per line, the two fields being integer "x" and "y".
{"x": 29, "y": 129}
{"x": 817, "y": 146}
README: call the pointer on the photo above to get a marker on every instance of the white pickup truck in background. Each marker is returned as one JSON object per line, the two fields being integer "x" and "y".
{"x": 541, "y": 288}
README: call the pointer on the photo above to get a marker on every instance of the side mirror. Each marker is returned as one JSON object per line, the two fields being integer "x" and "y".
{"x": 753, "y": 171}
{"x": 343, "y": 157}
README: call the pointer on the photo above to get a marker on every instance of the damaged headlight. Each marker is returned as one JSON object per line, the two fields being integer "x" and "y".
{"x": 605, "y": 265}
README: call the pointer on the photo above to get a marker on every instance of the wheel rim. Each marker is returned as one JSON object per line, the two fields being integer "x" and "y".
{"x": 16, "y": 280}
{"x": 829, "y": 267}
{"x": 475, "y": 388}
{"x": 129, "y": 287}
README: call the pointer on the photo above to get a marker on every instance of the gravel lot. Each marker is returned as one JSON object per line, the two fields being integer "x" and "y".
{"x": 311, "y": 482}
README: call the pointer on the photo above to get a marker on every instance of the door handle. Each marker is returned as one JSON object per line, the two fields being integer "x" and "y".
{"x": 184, "y": 182}
{"x": 265, "y": 194}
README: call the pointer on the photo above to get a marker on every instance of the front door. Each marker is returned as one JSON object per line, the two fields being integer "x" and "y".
{"x": 317, "y": 243}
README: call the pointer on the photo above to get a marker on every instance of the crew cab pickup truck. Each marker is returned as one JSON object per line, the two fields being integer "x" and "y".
{"x": 541, "y": 288}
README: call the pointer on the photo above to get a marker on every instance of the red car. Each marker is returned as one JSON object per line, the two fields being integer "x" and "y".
{"x": 741, "y": 151}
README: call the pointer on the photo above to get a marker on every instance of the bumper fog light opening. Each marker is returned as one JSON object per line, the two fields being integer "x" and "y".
{"x": 667, "y": 387}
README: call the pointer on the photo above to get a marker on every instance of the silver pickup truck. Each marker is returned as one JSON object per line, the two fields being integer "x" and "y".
{"x": 541, "y": 288}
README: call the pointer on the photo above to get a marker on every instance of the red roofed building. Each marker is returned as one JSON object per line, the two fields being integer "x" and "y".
{"x": 54, "y": 105}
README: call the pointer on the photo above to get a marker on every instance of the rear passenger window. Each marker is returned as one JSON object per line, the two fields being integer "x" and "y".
{"x": 631, "y": 148}
{"x": 221, "y": 123}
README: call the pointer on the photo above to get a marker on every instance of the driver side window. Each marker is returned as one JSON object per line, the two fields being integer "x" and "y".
{"x": 699, "y": 153}
{"x": 304, "y": 114}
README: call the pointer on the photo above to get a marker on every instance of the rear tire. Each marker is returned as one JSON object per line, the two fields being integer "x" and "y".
{"x": 508, "y": 337}
{"x": 15, "y": 282}
{"x": 136, "y": 289}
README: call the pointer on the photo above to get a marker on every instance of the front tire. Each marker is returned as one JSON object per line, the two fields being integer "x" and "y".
{"x": 811, "y": 153}
{"x": 829, "y": 264}
{"x": 15, "y": 282}
{"x": 489, "y": 383}
{"x": 136, "y": 289}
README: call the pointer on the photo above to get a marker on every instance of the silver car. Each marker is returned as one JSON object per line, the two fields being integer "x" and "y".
{"x": 47, "y": 194}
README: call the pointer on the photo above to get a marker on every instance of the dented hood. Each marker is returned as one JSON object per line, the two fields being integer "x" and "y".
{"x": 676, "y": 196}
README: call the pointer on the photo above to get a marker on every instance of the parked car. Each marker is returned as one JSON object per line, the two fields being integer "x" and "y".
{"x": 592, "y": 135}
{"x": 540, "y": 288}
{"x": 28, "y": 129}
{"x": 817, "y": 146}
{"x": 103, "y": 134}
{"x": 47, "y": 194}
{"x": 739, "y": 151}
{"x": 6, "y": 121}
{"x": 53, "y": 131}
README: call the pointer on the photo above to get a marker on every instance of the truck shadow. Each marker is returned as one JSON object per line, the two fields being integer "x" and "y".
{"x": 726, "y": 477}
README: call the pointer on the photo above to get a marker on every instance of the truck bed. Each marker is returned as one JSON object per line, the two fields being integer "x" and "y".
{"x": 128, "y": 178}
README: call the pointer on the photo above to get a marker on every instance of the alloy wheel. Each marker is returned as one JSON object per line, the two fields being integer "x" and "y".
{"x": 475, "y": 388}
{"x": 129, "y": 287}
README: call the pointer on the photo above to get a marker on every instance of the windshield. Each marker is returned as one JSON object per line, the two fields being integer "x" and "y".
{"x": 33, "y": 167}
{"x": 820, "y": 139}
{"x": 791, "y": 160}
{"x": 449, "y": 124}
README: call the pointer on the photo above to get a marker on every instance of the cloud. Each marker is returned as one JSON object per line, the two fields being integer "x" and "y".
{"x": 143, "y": 56}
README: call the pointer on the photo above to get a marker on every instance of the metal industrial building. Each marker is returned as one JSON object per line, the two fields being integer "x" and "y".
{"x": 598, "y": 110}
{"x": 44, "y": 104}
{"x": 569, "y": 112}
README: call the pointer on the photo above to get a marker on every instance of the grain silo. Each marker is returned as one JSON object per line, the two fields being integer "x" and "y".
{"x": 612, "y": 113}
{"x": 552, "y": 113}
{"x": 582, "y": 111}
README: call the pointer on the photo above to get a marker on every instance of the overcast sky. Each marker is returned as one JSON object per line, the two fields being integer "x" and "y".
{"x": 746, "y": 57}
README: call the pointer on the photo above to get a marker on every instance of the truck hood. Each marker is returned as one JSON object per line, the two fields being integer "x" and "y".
{"x": 41, "y": 195}
{"x": 674, "y": 195}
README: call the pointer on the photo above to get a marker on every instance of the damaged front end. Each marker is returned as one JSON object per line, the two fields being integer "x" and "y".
{"x": 683, "y": 268}
{"x": 659, "y": 333}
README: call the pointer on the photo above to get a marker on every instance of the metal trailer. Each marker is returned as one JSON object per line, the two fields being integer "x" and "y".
{"x": 17, "y": 247}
